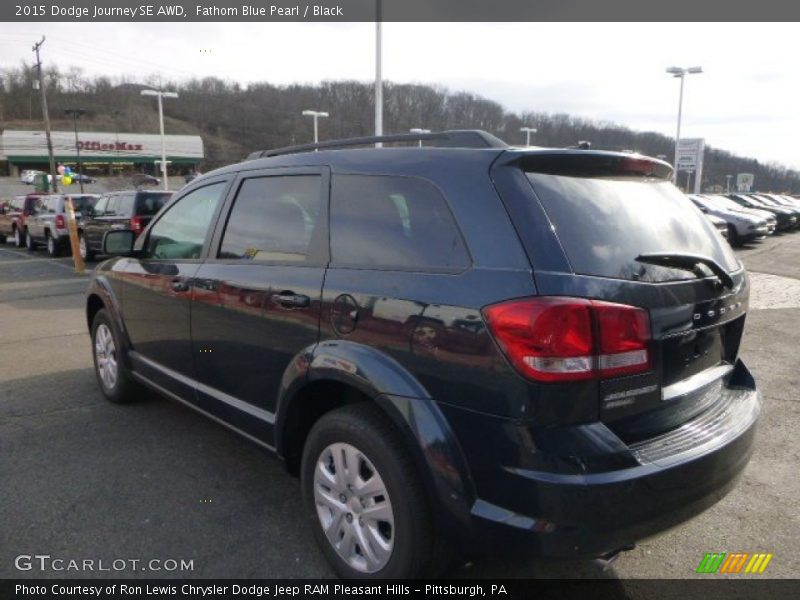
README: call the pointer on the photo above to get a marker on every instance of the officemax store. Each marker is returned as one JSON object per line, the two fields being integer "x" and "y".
{"x": 102, "y": 153}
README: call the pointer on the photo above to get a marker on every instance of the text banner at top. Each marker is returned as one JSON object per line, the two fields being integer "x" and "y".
{"x": 401, "y": 10}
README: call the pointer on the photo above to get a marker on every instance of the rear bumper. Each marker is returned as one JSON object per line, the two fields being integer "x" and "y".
{"x": 668, "y": 480}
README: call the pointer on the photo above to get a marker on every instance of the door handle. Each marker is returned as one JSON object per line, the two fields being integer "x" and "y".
{"x": 291, "y": 300}
{"x": 179, "y": 285}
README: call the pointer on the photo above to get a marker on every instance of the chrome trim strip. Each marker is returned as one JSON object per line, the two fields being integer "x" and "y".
{"x": 172, "y": 396}
{"x": 695, "y": 382}
{"x": 245, "y": 407}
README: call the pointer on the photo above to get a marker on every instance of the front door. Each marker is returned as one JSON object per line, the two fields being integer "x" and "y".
{"x": 256, "y": 300}
{"x": 158, "y": 289}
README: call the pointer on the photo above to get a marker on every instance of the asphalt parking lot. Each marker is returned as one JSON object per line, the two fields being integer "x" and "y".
{"x": 84, "y": 479}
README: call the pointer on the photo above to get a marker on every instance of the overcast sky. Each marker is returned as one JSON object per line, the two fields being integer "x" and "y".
{"x": 747, "y": 101}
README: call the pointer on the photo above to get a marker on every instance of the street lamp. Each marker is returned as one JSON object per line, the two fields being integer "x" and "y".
{"x": 528, "y": 131}
{"x": 316, "y": 114}
{"x": 728, "y": 181}
{"x": 75, "y": 113}
{"x": 161, "y": 94}
{"x": 681, "y": 73}
{"x": 418, "y": 130}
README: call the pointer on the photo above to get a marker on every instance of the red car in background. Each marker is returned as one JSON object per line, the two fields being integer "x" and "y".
{"x": 12, "y": 217}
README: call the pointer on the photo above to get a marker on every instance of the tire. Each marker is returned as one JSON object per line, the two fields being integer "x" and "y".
{"x": 113, "y": 378}
{"x": 86, "y": 253}
{"x": 733, "y": 236}
{"x": 398, "y": 541}
{"x": 29, "y": 243}
{"x": 3, "y": 239}
{"x": 53, "y": 247}
{"x": 19, "y": 238}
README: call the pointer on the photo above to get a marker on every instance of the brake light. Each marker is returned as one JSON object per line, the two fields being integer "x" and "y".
{"x": 60, "y": 222}
{"x": 555, "y": 339}
{"x": 137, "y": 225}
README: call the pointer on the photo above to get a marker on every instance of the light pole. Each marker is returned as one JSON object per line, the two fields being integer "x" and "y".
{"x": 418, "y": 130}
{"x": 316, "y": 114}
{"x": 161, "y": 94}
{"x": 75, "y": 113}
{"x": 528, "y": 131}
{"x": 378, "y": 74}
{"x": 681, "y": 73}
{"x": 728, "y": 182}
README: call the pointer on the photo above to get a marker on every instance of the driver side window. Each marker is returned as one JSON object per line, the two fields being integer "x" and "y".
{"x": 181, "y": 232}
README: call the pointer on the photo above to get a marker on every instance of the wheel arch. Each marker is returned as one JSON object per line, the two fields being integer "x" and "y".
{"x": 337, "y": 373}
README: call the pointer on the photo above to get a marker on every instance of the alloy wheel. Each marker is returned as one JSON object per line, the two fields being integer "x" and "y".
{"x": 354, "y": 508}
{"x": 17, "y": 238}
{"x": 51, "y": 246}
{"x": 105, "y": 353}
{"x": 82, "y": 247}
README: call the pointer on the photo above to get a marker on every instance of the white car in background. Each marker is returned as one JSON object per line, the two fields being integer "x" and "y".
{"x": 27, "y": 176}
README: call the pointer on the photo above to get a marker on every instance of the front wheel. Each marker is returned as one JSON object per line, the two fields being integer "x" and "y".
{"x": 19, "y": 239}
{"x": 733, "y": 236}
{"x": 112, "y": 376}
{"x": 86, "y": 254}
{"x": 363, "y": 496}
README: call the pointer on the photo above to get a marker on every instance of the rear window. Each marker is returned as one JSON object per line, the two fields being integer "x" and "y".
{"x": 604, "y": 223}
{"x": 149, "y": 203}
{"x": 81, "y": 202}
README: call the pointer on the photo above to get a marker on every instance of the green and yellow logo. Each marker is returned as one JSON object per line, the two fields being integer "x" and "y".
{"x": 734, "y": 562}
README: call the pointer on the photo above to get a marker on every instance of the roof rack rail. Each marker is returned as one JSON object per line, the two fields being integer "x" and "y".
{"x": 460, "y": 138}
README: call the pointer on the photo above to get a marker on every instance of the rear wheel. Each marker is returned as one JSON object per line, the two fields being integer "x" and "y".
{"x": 363, "y": 496}
{"x": 29, "y": 243}
{"x": 83, "y": 245}
{"x": 53, "y": 247}
{"x": 112, "y": 376}
{"x": 19, "y": 239}
{"x": 2, "y": 239}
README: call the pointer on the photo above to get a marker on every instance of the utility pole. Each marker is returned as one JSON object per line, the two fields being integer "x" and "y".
{"x": 378, "y": 74}
{"x": 161, "y": 94}
{"x": 46, "y": 116}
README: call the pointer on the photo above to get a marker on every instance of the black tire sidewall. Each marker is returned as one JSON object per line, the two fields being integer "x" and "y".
{"x": 120, "y": 392}
{"x": 409, "y": 552}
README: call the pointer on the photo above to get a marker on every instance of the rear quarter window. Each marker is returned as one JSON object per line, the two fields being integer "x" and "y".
{"x": 393, "y": 223}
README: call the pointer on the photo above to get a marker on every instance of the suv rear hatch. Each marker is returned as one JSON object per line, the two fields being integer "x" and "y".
{"x": 611, "y": 227}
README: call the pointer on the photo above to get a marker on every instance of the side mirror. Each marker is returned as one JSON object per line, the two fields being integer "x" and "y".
{"x": 119, "y": 242}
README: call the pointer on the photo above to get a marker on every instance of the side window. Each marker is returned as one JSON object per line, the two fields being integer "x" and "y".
{"x": 124, "y": 207}
{"x": 393, "y": 222}
{"x": 111, "y": 207}
{"x": 181, "y": 232}
{"x": 273, "y": 219}
{"x": 100, "y": 207}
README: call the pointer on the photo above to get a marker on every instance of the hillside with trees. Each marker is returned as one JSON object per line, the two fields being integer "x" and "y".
{"x": 235, "y": 119}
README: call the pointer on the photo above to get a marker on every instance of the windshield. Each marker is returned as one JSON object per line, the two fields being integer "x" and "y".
{"x": 604, "y": 223}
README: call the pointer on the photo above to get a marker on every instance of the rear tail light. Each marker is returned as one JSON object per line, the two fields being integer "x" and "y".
{"x": 137, "y": 225}
{"x": 60, "y": 222}
{"x": 555, "y": 339}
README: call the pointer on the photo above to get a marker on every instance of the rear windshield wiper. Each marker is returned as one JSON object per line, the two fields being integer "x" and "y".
{"x": 681, "y": 260}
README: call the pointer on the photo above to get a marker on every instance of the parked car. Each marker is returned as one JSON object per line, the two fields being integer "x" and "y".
{"x": 47, "y": 223}
{"x": 599, "y": 397}
{"x": 770, "y": 200}
{"x": 13, "y": 216}
{"x": 138, "y": 180}
{"x": 726, "y": 203}
{"x": 117, "y": 210}
{"x": 719, "y": 224}
{"x": 786, "y": 218}
{"x": 742, "y": 227}
{"x": 28, "y": 175}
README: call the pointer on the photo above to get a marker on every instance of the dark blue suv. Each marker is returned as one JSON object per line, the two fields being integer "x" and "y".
{"x": 463, "y": 345}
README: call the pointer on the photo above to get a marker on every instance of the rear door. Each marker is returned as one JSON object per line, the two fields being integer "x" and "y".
{"x": 256, "y": 299}
{"x": 584, "y": 219}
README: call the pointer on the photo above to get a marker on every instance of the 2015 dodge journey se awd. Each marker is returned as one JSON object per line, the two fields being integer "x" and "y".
{"x": 463, "y": 345}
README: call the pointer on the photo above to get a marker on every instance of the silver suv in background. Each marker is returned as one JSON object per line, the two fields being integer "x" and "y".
{"x": 742, "y": 227}
{"x": 725, "y": 202}
{"x": 47, "y": 223}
